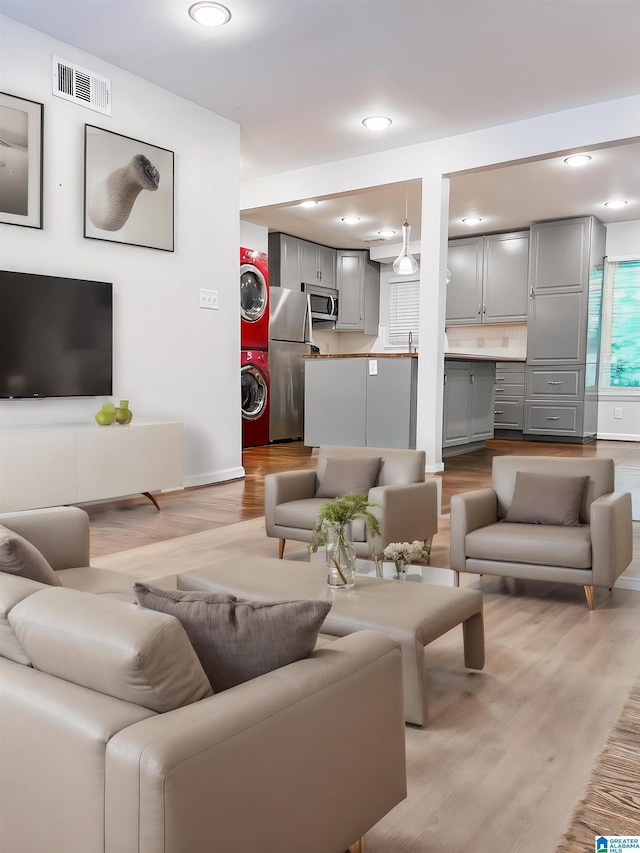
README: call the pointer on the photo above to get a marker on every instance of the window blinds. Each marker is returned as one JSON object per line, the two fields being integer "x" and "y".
{"x": 620, "y": 345}
{"x": 404, "y": 311}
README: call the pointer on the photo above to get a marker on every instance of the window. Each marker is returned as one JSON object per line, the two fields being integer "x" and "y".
{"x": 404, "y": 311}
{"x": 620, "y": 348}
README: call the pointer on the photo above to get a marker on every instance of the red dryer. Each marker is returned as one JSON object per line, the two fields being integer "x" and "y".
{"x": 254, "y": 300}
{"x": 254, "y": 375}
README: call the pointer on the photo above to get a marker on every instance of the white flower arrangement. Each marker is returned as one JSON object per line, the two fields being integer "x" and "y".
{"x": 416, "y": 550}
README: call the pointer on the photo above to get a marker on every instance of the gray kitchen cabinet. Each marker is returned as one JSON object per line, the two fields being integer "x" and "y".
{"x": 468, "y": 405}
{"x": 284, "y": 261}
{"x": 317, "y": 263}
{"x": 293, "y": 261}
{"x": 361, "y": 401}
{"x": 489, "y": 279}
{"x": 563, "y": 333}
{"x": 358, "y": 284}
{"x": 509, "y": 399}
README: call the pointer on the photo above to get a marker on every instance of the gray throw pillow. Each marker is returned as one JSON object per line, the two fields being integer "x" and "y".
{"x": 237, "y": 640}
{"x": 348, "y": 475}
{"x": 547, "y": 499}
{"x": 20, "y": 557}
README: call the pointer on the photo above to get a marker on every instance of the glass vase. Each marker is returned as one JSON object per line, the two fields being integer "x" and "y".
{"x": 401, "y": 569}
{"x": 340, "y": 557}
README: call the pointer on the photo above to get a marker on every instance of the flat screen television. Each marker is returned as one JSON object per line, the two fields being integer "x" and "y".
{"x": 56, "y": 336}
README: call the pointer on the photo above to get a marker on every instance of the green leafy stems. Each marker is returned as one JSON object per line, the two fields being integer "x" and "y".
{"x": 339, "y": 512}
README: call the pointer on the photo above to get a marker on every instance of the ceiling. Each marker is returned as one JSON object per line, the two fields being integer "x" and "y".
{"x": 298, "y": 76}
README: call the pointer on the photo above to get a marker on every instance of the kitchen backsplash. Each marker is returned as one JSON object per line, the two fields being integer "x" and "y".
{"x": 504, "y": 339}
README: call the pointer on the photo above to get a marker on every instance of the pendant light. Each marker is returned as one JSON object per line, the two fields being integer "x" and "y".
{"x": 405, "y": 263}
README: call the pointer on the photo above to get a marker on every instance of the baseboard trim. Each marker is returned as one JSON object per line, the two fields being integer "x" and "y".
{"x": 213, "y": 477}
{"x": 618, "y": 436}
{"x": 628, "y": 583}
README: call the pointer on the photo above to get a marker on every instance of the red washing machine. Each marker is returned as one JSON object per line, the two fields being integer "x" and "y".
{"x": 254, "y": 375}
{"x": 254, "y": 300}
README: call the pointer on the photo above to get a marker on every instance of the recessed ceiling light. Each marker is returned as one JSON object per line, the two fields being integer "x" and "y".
{"x": 577, "y": 160}
{"x": 308, "y": 203}
{"x": 614, "y": 204}
{"x": 386, "y": 232}
{"x": 376, "y": 122}
{"x": 472, "y": 220}
{"x": 350, "y": 220}
{"x": 209, "y": 14}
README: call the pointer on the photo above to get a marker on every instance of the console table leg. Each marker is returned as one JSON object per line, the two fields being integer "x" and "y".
{"x": 358, "y": 847}
{"x": 152, "y": 499}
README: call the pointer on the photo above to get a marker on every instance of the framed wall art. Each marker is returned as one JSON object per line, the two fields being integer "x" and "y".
{"x": 21, "y": 159}
{"x": 128, "y": 190}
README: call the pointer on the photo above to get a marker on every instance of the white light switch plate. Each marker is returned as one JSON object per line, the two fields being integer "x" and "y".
{"x": 373, "y": 367}
{"x": 209, "y": 299}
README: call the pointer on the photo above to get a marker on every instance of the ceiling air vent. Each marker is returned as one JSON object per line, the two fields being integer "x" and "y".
{"x": 376, "y": 240}
{"x": 81, "y": 86}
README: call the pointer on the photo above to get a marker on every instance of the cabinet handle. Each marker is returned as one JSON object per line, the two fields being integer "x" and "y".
{"x": 479, "y": 307}
{"x": 484, "y": 308}
{"x": 531, "y": 293}
{"x": 471, "y": 378}
{"x": 557, "y": 382}
{"x": 361, "y": 315}
{"x": 498, "y": 412}
{"x": 499, "y": 390}
{"x": 552, "y": 419}
{"x": 499, "y": 378}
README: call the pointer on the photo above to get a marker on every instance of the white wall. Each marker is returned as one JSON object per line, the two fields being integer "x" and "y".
{"x": 171, "y": 359}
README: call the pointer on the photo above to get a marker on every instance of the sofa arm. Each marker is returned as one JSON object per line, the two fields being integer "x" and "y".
{"x": 283, "y": 487}
{"x": 469, "y": 511}
{"x": 60, "y": 533}
{"x": 408, "y": 511}
{"x": 307, "y": 757}
{"x": 611, "y": 537}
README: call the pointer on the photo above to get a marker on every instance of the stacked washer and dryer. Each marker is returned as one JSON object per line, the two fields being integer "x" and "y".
{"x": 254, "y": 344}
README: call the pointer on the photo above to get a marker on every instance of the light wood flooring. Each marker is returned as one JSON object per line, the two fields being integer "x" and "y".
{"x": 507, "y": 751}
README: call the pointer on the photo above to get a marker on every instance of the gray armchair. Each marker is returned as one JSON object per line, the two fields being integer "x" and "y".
{"x": 592, "y": 554}
{"x": 408, "y": 502}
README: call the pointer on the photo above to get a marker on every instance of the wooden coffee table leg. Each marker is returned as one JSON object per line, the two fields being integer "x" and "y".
{"x": 473, "y": 637}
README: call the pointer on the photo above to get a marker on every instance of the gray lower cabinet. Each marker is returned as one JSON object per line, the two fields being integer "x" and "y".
{"x": 563, "y": 331}
{"x": 362, "y": 402}
{"x": 468, "y": 406}
{"x": 489, "y": 279}
{"x": 509, "y": 398}
{"x": 358, "y": 284}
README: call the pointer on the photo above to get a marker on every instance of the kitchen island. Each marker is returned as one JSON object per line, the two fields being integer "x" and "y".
{"x": 369, "y": 399}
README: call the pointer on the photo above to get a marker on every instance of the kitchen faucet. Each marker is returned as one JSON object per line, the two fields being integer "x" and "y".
{"x": 410, "y": 341}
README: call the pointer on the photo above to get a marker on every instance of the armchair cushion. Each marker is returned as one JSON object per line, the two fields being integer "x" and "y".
{"x": 546, "y": 499}
{"x": 20, "y": 557}
{"x": 238, "y": 640}
{"x": 541, "y": 545}
{"x": 348, "y": 475}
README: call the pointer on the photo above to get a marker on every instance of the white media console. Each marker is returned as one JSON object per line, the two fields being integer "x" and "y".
{"x": 78, "y": 463}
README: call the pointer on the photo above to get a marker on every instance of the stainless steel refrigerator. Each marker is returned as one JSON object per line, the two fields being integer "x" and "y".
{"x": 289, "y": 340}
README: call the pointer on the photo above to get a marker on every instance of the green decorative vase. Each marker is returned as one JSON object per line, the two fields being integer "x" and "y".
{"x": 124, "y": 415}
{"x": 106, "y": 415}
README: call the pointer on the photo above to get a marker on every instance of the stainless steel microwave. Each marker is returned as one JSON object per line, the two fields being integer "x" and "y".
{"x": 323, "y": 305}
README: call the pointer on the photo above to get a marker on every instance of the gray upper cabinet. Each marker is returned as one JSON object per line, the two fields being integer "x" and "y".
{"x": 489, "y": 279}
{"x": 464, "y": 291}
{"x": 562, "y": 255}
{"x": 358, "y": 283}
{"x": 293, "y": 261}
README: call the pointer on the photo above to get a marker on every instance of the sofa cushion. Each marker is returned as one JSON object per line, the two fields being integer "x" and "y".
{"x": 546, "y": 499}
{"x": 97, "y": 581}
{"x": 542, "y": 545}
{"x": 348, "y": 475}
{"x": 238, "y": 640}
{"x": 115, "y": 648}
{"x": 19, "y": 557}
{"x": 13, "y": 589}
